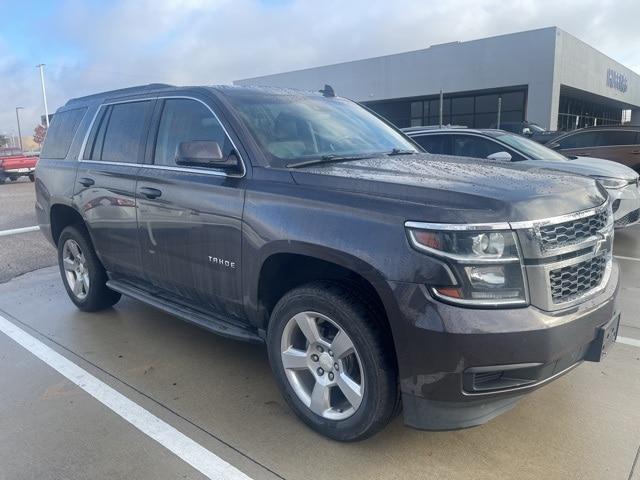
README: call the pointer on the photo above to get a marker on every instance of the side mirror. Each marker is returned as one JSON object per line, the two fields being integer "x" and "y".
{"x": 527, "y": 131}
{"x": 203, "y": 153}
{"x": 500, "y": 156}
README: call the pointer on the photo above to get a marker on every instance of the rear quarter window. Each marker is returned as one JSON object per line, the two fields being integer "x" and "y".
{"x": 61, "y": 132}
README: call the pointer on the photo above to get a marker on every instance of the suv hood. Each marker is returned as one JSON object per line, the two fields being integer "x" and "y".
{"x": 457, "y": 189}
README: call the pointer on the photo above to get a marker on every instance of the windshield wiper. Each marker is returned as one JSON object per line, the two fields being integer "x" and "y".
{"x": 328, "y": 159}
{"x": 399, "y": 151}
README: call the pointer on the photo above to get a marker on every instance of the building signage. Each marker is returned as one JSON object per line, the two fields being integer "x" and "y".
{"x": 616, "y": 80}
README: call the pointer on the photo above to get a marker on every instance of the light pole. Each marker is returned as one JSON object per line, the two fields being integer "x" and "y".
{"x": 18, "y": 120}
{"x": 44, "y": 94}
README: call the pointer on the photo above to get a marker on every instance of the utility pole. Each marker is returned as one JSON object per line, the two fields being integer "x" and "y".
{"x": 18, "y": 120}
{"x": 441, "y": 105}
{"x": 44, "y": 94}
{"x": 499, "y": 112}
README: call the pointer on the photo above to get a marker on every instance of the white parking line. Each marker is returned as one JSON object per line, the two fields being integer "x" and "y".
{"x": 188, "y": 450}
{"x": 628, "y": 341}
{"x": 4, "y": 233}
{"x": 633, "y": 259}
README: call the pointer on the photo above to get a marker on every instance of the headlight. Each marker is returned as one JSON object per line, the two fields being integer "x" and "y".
{"x": 486, "y": 264}
{"x": 609, "y": 182}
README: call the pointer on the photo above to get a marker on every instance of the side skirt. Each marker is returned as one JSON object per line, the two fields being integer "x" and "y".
{"x": 214, "y": 323}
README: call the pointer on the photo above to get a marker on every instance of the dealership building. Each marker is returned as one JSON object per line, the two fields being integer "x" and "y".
{"x": 546, "y": 76}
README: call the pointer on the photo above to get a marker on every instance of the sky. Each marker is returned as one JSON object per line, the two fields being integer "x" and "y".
{"x": 96, "y": 45}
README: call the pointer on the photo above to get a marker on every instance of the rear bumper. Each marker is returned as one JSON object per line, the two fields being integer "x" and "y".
{"x": 450, "y": 355}
{"x": 11, "y": 172}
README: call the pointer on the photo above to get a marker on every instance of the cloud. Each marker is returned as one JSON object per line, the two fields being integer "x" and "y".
{"x": 98, "y": 46}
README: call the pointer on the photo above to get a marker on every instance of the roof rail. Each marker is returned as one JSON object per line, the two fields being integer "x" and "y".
{"x": 122, "y": 91}
{"x": 431, "y": 127}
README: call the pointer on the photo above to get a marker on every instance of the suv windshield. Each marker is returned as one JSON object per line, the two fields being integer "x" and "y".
{"x": 527, "y": 147}
{"x": 297, "y": 126}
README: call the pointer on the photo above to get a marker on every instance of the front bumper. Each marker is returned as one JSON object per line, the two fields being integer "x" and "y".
{"x": 441, "y": 348}
{"x": 626, "y": 204}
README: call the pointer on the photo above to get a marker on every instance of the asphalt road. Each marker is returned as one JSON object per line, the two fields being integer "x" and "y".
{"x": 219, "y": 395}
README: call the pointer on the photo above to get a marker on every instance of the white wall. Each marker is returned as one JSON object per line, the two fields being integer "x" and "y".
{"x": 526, "y": 58}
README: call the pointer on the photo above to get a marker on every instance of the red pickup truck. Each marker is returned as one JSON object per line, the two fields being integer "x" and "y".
{"x": 14, "y": 164}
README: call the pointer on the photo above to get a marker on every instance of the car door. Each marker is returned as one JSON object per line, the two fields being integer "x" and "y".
{"x": 620, "y": 146}
{"x": 190, "y": 218}
{"x": 580, "y": 143}
{"x": 105, "y": 183}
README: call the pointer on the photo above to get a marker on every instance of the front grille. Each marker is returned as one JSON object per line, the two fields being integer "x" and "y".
{"x": 569, "y": 283}
{"x": 571, "y": 232}
{"x": 629, "y": 218}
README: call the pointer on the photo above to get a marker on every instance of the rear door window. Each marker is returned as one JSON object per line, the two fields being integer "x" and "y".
{"x": 580, "y": 140}
{"x": 609, "y": 138}
{"x": 61, "y": 132}
{"x": 437, "y": 144}
{"x": 119, "y": 132}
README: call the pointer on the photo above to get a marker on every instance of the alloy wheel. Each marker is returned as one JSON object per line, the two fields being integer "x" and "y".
{"x": 75, "y": 269}
{"x": 322, "y": 365}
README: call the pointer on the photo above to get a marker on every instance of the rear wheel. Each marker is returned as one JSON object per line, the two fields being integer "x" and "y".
{"x": 332, "y": 361}
{"x": 82, "y": 273}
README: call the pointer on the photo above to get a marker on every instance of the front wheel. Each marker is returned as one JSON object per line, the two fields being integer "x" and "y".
{"x": 32, "y": 177}
{"x": 333, "y": 361}
{"x": 82, "y": 273}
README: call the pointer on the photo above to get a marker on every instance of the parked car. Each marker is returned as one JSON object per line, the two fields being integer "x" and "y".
{"x": 378, "y": 276}
{"x": 621, "y": 182}
{"x": 617, "y": 143}
{"x": 528, "y": 129}
{"x": 15, "y": 164}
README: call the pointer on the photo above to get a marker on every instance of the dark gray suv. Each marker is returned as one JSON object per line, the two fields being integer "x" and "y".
{"x": 379, "y": 277}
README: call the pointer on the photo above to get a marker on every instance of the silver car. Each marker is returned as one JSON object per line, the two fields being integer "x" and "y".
{"x": 620, "y": 181}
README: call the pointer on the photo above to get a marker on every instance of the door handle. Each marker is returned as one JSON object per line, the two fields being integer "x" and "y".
{"x": 635, "y": 152}
{"x": 150, "y": 192}
{"x": 86, "y": 181}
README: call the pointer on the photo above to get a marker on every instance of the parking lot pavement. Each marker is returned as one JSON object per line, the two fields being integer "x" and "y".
{"x": 17, "y": 200}
{"x": 21, "y": 253}
{"x": 585, "y": 425}
{"x": 627, "y": 249}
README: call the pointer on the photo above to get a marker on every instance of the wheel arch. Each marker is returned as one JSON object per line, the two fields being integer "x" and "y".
{"x": 60, "y": 217}
{"x": 290, "y": 264}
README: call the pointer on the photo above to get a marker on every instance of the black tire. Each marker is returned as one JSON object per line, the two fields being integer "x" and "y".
{"x": 364, "y": 326}
{"x": 2, "y": 180}
{"x": 32, "y": 177}
{"x": 99, "y": 296}
{"x": 13, "y": 179}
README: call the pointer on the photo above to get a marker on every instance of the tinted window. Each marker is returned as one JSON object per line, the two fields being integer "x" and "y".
{"x": 118, "y": 133}
{"x": 471, "y": 146}
{"x": 438, "y": 144}
{"x": 487, "y": 103}
{"x": 462, "y": 105}
{"x": 617, "y": 137}
{"x": 580, "y": 140}
{"x": 186, "y": 120}
{"x": 61, "y": 132}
